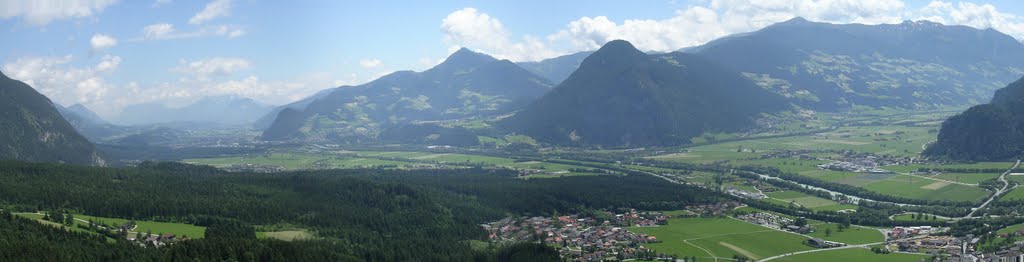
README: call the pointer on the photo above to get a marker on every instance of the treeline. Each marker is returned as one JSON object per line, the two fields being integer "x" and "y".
{"x": 23, "y": 239}
{"x": 376, "y": 214}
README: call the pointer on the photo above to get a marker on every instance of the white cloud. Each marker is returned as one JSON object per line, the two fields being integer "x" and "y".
{"x": 697, "y": 25}
{"x": 64, "y": 83}
{"x": 973, "y": 15}
{"x": 166, "y": 31}
{"x": 101, "y": 41}
{"x": 213, "y": 67}
{"x": 215, "y": 9}
{"x": 42, "y": 12}
{"x": 157, "y": 31}
{"x": 369, "y": 63}
{"x": 469, "y": 28}
{"x": 700, "y": 23}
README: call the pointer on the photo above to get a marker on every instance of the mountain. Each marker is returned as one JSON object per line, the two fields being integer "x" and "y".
{"x": 835, "y": 66}
{"x": 267, "y": 119}
{"x": 556, "y": 69}
{"x": 225, "y": 110}
{"x": 621, "y": 96}
{"x": 88, "y": 123}
{"x": 987, "y": 132}
{"x": 467, "y": 84}
{"x": 33, "y": 130}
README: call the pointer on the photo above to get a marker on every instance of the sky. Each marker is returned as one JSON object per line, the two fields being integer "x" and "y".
{"x": 107, "y": 54}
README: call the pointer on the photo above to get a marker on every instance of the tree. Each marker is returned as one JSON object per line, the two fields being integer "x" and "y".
{"x": 800, "y": 222}
{"x": 69, "y": 219}
{"x": 828, "y": 232}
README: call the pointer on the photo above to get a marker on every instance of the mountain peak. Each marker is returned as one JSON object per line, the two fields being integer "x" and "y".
{"x": 796, "y": 21}
{"x": 467, "y": 58}
{"x": 617, "y": 48}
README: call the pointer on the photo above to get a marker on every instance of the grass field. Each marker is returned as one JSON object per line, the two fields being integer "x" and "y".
{"x": 399, "y": 159}
{"x": 852, "y": 255}
{"x": 979, "y": 165}
{"x": 1015, "y": 194}
{"x": 721, "y": 237}
{"x": 805, "y": 200}
{"x": 179, "y": 229}
{"x": 921, "y": 188}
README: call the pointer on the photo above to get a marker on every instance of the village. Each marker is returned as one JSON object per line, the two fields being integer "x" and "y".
{"x": 583, "y": 238}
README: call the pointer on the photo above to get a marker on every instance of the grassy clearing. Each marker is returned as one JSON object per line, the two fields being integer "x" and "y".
{"x": 723, "y": 237}
{"x": 286, "y": 235}
{"x": 179, "y": 229}
{"x": 979, "y": 165}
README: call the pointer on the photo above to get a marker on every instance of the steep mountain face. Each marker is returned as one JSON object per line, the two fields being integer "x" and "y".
{"x": 228, "y": 110}
{"x": 556, "y": 69}
{"x": 88, "y": 123}
{"x": 620, "y": 96}
{"x": 913, "y": 64}
{"x": 34, "y": 131}
{"x": 467, "y": 84}
{"x": 987, "y": 132}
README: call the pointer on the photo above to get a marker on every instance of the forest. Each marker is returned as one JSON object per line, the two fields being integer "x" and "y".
{"x": 366, "y": 214}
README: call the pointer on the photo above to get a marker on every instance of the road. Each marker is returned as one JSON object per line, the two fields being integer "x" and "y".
{"x": 819, "y": 250}
{"x": 1006, "y": 184}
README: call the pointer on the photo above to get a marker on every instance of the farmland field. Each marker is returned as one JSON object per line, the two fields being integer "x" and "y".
{"x": 721, "y": 237}
{"x": 852, "y": 255}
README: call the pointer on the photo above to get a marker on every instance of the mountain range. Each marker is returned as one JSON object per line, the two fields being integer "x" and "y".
{"x": 832, "y": 67}
{"x": 621, "y": 96}
{"x": 221, "y": 110}
{"x": 33, "y": 130}
{"x": 467, "y": 84}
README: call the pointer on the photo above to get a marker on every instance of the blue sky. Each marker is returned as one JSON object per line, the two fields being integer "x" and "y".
{"x": 108, "y": 54}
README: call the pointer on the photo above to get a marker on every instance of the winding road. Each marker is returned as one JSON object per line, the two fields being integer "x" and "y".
{"x": 1006, "y": 184}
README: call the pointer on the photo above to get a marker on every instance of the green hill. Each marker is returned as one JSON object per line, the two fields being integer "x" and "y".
{"x": 467, "y": 84}
{"x": 987, "y": 132}
{"x": 34, "y": 131}
{"x": 621, "y": 96}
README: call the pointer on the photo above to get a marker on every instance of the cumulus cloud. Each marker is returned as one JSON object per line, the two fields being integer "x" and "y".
{"x": 213, "y": 67}
{"x": 64, "y": 83}
{"x": 215, "y": 9}
{"x": 697, "y": 25}
{"x": 700, "y": 23}
{"x": 973, "y": 15}
{"x": 369, "y": 63}
{"x": 42, "y": 12}
{"x": 101, "y": 41}
{"x": 468, "y": 27}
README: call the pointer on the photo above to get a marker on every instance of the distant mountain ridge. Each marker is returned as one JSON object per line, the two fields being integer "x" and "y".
{"x": 466, "y": 84}
{"x": 227, "y": 110}
{"x": 556, "y": 69}
{"x": 835, "y": 66}
{"x": 621, "y": 96}
{"x": 88, "y": 123}
{"x": 987, "y": 132}
{"x": 33, "y": 130}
